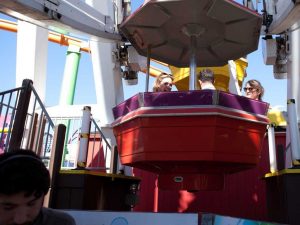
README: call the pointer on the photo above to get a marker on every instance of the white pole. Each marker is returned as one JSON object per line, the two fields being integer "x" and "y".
{"x": 84, "y": 137}
{"x": 233, "y": 81}
{"x": 293, "y": 94}
{"x": 272, "y": 149}
{"x": 31, "y": 59}
{"x": 148, "y": 69}
{"x": 106, "y": 69}
{"x": 294, "y": 65}
{"x": 107, "y": 75}
{"x": 193, "y": 64}
{"x": 294, "y": 130}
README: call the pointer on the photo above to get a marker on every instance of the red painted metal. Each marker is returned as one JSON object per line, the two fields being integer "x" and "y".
{"x": 191, "y": 182}
{"x": 244, "y": 193}
{"x": 95, "y": 156}
{"x": 201, "y": 144}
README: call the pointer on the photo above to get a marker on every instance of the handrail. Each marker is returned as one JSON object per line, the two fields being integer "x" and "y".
{"x": 93, "y": 122}
{"x": 72, "y": 137}
{"x": 11, "y": 90}
{"x": 42, "y": 106}
{"x": 102, "y": 135}
{"x": 24, "y": 135}
{"x": 37, "y": 127}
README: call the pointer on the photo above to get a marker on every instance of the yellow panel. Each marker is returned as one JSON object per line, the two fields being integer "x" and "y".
{"x": 181, "y": 75}
{"x": 241, "y": 65}
{"x": 276, "y": 117}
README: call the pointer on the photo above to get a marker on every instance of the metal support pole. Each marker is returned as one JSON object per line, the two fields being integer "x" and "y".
{"x": 272, "y": 149}
{"x": 69, "y": 84}
{"x": 148, "y": 69}
{"x": 294, "y": 131}
{"x": 84, "y": 137}
{"x": 193, "y": 64}
{"x": 293, "y": 94}
{"x": 21, "y": 113}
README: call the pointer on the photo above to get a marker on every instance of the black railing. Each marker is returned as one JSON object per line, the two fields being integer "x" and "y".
{"x": 24, "y": 120}
{"x": 25, "y": 123}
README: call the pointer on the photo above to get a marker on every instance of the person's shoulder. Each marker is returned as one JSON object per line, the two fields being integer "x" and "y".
{"x": 53, "y": 216}
{"x": 208, "y": 87}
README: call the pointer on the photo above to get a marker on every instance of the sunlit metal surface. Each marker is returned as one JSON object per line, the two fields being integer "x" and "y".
{"x": 63, "y": 16}
{"x": 284, "y": 15}
{"x": 223, "y": 29}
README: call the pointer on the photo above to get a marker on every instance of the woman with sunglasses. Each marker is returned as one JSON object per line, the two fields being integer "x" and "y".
{"x": 163, "y": 82}
{"x": 254, "y": 90}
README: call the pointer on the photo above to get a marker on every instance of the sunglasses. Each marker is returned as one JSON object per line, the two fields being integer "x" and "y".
{"x": 249, "y": 89}
{"x": 168, "y": 84}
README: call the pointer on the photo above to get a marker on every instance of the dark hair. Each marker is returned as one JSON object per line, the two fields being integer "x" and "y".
{"x": 206, "y": 75}
{"x": 23, "y": 171}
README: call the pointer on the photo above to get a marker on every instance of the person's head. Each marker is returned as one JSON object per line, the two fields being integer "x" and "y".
{"x": 254, "y": 90}
{"x": 24, "y": 182}
{"x": 163, "y": 82}
{"x": 206, "y": 76}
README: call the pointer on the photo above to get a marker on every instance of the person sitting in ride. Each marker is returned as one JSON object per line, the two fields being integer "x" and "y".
{"x": 206, "y": 79}
{"x": 163, "y": 82}
{"x": 254, "y": 90}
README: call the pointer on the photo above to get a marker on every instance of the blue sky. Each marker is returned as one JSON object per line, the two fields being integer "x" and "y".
{"x": 275, "y": 90}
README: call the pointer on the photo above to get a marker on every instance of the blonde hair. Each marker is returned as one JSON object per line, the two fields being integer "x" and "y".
{"x": 158, "y": 80}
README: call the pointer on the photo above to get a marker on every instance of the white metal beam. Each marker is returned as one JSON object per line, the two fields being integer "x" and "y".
{"x": 65, "y": 15}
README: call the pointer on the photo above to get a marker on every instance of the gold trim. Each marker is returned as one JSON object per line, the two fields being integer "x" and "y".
{"x": 296, "y": 163}
{"x": 81, "y": 164}
{"x": 84, "y": 135}
{"x": 282, "y": 172}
